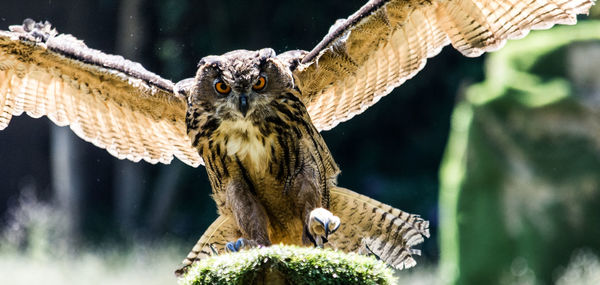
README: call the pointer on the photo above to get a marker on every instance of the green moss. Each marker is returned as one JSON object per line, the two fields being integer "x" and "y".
{"x": 289, "y": 264}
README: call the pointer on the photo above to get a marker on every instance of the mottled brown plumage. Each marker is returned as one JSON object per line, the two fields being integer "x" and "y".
{"x": 268, "y": 168}
{"x": 273, "y": 178}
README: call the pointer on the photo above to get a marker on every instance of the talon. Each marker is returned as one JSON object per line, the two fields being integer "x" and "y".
{"x": 230, "y": 247}
{"x": 319, "y": 220}
{"x": 239, "y": 244}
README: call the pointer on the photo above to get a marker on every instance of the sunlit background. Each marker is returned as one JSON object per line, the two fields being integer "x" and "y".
{"x": 517, "y": 141}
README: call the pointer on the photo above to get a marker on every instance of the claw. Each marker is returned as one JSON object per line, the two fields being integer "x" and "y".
{"x": 326, "y": 225}
{"x": 319, "y": 220}
{"x": 239, "y": 244}
{"x": 230, "y": 247}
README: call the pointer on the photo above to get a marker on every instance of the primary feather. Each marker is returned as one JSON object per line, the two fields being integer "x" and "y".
{"x": 107, "y": 100}
{"x": 387, "y": 42}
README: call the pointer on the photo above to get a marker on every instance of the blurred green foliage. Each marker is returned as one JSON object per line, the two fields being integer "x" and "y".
{"x": 521, "y": 175}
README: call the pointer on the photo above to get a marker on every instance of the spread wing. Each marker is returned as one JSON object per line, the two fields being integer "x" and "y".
{"x": 387, "y": 42}
{"x": 114, "y": 103}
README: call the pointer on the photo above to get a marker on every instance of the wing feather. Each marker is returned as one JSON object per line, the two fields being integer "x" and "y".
{"x": 111, "y": 102}
{"x": 212, "y": 242}
{"x": 387, "y": 42}
{"x": 391, "y": 238}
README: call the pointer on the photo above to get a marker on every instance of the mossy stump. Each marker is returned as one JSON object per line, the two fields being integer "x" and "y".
{"x": 289, "y": 265}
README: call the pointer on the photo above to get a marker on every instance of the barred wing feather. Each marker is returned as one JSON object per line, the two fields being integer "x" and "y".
{"x": 105, "y": 99}
{"x": 387, "y": 42}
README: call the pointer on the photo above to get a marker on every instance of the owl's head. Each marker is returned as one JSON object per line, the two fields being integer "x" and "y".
{"x": 240, "y": 83}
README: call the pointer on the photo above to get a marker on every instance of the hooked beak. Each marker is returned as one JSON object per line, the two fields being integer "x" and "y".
{"x": 243, "y": 104}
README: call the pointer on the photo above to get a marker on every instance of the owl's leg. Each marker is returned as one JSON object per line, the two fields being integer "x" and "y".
{"x": 249, "y": 215}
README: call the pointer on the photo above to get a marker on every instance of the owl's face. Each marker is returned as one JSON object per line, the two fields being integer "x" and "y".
{"x": 240, "y": 83}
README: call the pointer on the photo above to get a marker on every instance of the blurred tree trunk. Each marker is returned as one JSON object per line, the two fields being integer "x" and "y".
{"x": 128, "y": 176}
{"x": 66, "y": 178}
{"x": 163, "y": 196}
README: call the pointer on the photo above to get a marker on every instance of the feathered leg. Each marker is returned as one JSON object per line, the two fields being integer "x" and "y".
{"x": 249, "y": 214}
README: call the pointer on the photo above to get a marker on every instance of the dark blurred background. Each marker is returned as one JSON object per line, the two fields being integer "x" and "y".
{"x": 391, "y": 153}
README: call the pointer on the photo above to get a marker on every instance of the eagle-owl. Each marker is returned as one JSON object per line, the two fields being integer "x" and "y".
{"x": 253, "y": 117}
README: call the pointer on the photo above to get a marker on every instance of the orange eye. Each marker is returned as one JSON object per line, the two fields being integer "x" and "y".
{"x": 222, "y": 88}
{"x": 260, "y": 84}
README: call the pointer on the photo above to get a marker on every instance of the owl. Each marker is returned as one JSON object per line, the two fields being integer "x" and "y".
{"x": 253, "y": 118}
